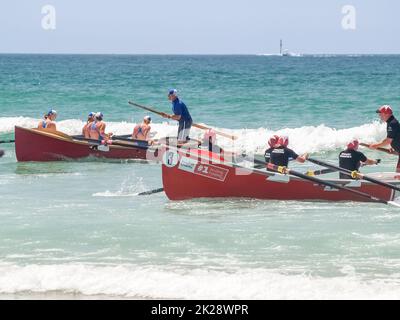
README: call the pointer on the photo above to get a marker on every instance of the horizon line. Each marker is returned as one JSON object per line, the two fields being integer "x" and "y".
{"x": 191, "y": 54}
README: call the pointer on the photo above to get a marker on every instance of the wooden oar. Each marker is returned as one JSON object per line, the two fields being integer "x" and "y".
{"x": 7, "y": 141}
{"x": 232, "y": 137}
{"x": 262, "y": 164}
{"x": 285, "y": 170}
{"x": 354, "y": 174}
{"x": 133, "y": 145}
{"x": 381, "y": 149}
{"x": 319, "y": 172}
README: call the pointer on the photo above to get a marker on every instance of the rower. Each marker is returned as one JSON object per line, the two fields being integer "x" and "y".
{"x": 1, "y": 153}
{"x": 97, "y": 128}
{"x": 351, "y": 159}
{"x": 281, "y": 154}
{"x": 392, "y": 129}
{"x": 85, "y": 129}
{"x": 181, "y": 114}
{"x": 272, "y": 143}
{"x": 142, "y": 131}
{"x": 48, "y": 122}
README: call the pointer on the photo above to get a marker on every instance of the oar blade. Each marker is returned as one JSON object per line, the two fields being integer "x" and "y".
{"x": 146, "y": 193}
{"x": 393, "y": 203}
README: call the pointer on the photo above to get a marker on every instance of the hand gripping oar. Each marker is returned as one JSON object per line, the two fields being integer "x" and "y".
{"x": 381, "y": 149}
{"x": 193, "y": 124}
{"x": 7, "y": 141}
{"x": 354, "y": 174}
{"x": 285, "y": 170}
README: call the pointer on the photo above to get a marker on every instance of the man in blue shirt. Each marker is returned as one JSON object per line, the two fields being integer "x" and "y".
{"x": 181, "y": 114}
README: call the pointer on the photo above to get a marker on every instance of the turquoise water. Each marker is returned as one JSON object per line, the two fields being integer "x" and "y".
{"x": 78, "y": 229}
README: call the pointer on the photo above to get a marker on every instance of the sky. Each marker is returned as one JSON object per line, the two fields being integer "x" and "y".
{"x": 199, "y": 27}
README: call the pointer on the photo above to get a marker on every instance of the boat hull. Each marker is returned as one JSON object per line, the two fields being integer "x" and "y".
{"x": 37, "y": 145}
{"x": 195, "y": 178}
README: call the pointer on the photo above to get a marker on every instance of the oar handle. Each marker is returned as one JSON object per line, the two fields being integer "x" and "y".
{"x": 200, "y": 126}
{"x": 146, "y": 108}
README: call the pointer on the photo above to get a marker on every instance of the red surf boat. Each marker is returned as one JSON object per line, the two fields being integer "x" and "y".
{"x": 39, "y": 145}
{"x": 187, "y": 176}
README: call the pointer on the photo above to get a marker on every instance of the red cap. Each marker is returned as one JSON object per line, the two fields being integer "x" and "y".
{"x": 386, "y": 109}
{"x": 283, "y": 141}
{"x": 273, "y": 140}
{"x": 353, "y": 145}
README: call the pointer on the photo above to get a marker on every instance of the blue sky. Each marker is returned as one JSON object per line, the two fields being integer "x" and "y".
{"x": 199, "y": 27}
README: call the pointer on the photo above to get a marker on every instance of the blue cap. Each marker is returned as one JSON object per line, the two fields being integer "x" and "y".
{"x": 99, "y": 115}
{"x": 51, "y": 111}
{"x": 91, "y": 114}
{"x": 172, "y": 92}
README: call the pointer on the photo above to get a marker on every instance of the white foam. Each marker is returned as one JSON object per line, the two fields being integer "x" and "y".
{"x": 175, "y": 283}
{"x": 303, "y": 139}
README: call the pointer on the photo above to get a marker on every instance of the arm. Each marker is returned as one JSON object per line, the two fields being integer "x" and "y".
{"x": 383, "y": 143}
{"x": 146, "y": 132}
{"x": 370, "y": 162}
{"x": 135, "y": 132}
{"x": 176, "y": 117}
{"x": 51, "y": 126}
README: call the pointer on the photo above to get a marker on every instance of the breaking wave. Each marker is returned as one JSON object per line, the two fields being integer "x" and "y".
{"x": 319, "y": 138}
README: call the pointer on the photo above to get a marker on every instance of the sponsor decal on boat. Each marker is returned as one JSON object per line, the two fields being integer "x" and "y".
{"x": 205, "y": 170}
{"x": 170, "y": 158}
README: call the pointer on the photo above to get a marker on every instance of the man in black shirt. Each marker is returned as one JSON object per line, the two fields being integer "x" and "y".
{"x": 392, "y": 129}
{"x": 272, "y": 143}
{"x": 281, "y": 154}
{"x": 351, "y": 159}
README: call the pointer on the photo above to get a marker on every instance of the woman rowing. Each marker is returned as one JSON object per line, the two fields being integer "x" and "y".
{"x": 97, "y": 128}
{"x": 142, "y": 131}
{"x": 86, "y": 127}
{"x": 48, "y": 123}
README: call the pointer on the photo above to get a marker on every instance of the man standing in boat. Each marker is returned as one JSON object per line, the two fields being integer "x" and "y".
{"x": 48, "y": 123}
{"x": 392, "y": 129}
{"x": 351, "y": 159}
{"x": 181, "y": 114}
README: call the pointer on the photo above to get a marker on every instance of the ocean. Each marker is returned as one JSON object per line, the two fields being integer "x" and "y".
{"x": 77, "y": 230}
